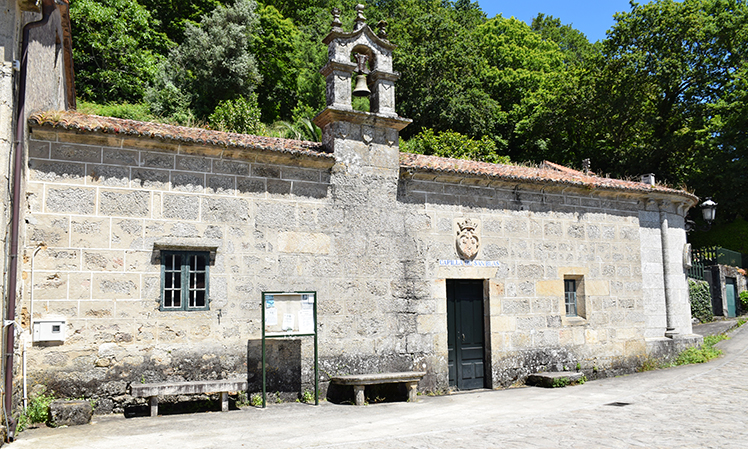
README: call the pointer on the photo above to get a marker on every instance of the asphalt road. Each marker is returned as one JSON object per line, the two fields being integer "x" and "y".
{"x": 692, "y": 406}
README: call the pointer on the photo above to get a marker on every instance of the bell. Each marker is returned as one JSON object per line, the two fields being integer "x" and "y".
{"x": 361, "y": 90}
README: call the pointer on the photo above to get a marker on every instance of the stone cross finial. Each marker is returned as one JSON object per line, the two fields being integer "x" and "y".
{"x": 360, "y": 19}
{"x": 382, "y": 29}
{"x": 336, "y": 23}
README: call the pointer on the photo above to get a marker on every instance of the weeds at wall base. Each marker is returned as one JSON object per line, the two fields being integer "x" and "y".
{"x": 692, "y": 355}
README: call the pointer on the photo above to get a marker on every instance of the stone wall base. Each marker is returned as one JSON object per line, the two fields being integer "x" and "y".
{"x": 668, "y": 348}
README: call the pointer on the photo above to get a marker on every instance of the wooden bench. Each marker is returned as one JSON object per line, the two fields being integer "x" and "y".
{"x": 359, "y": 381}
{"x": 154, "y": 390}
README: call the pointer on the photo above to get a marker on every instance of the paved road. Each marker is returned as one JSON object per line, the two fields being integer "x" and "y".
{"x": 694, "y": 406}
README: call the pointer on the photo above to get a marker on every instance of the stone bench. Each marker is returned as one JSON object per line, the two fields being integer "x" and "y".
{"x": 154, "y": 390}
{"x": 359, "y": 381}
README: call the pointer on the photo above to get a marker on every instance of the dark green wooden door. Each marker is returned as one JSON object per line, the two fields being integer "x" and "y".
{"x": 730, "y": 294}
{"x": 465, "y": 334}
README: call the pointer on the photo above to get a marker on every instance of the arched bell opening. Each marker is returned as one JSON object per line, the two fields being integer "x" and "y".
{"x": 361, "y": 85}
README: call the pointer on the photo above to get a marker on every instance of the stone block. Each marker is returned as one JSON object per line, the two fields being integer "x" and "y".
{"x": 141, "y": 261}
{"x": 150, "y": 179}
{"x": 305, "y": 189}
{"x": 227, "y": 210}
{"x": 51, "y": 259}
{"x": 77, "y": 153}
{"x": 515, "y": 306}
{"x": 221, "y": 185}
{"x": 304, "y": 242}
{"x": 120, "y": 157}
{"x": 125, "y": 203}
{"x": 157, "y": 160}
{"x": 126, "y": 232}
{"x": 187, "y": 182}
{"x": 250, "y": 185}
{"x": 278, "y": 187}
{"x": 70, "y": 413}
{"x": 230, "y": 167}
{"x": 103, "y": 260}
{"x": 80, "y": 286}
{"x": 500, "y": 323}
{"x": 266, "y": 171}
{"x": 71, "y": 200}
{"x": 38, "y": 149}
{"x": 596, "y": 287}
{"x": 50, "y": 286}
{"x": 193, "y": 164}
{"x": 115, "y": 286}
{"x": 300, "y": 174}
{"x": 96, "y": 309}
{"x": 89, "y": 233}
{"x": 183, "y": 207}
{"x": 56, "y": 171}
{"x": 431, "y": 324}
{"x": 108, "y": 175}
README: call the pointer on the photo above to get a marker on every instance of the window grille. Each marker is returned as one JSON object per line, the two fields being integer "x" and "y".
{"x": 184, "y": 280}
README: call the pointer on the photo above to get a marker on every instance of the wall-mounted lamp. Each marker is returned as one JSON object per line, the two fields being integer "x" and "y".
{"x": 708, "y": 211}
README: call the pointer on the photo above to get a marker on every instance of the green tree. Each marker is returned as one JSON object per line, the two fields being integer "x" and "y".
{"x": 214, "y": 63}
{"x": 174, "y": 15}
{"x": 116, "y": 49}
{"x": 277, "y": 41}
{"x": 440, "y": 85}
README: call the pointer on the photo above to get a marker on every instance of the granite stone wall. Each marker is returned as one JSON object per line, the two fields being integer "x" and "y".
{"x": 377, "y": 245}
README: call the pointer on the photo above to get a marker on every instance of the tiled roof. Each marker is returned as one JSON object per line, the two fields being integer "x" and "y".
{"x": 74, "y": 121}
{"x": 546, "y": 172}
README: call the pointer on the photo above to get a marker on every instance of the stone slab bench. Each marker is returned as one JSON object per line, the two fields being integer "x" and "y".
{"x": 359, "y": 381}
{"x": 154, "y": 390}
{"x": 554, "y": 379}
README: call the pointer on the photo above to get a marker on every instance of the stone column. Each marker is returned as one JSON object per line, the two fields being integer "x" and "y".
{"x": 666, "y": 270}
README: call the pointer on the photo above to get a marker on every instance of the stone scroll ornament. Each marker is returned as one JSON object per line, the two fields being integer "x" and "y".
{"x": 467, "y": 241}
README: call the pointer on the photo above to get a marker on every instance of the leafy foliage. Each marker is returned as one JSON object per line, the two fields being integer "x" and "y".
{"x": 213, "y": 64}
{"x": 666, "y": 92}
{"x": 241, "y": 115}
{"x": 701, "y": 300}
{"x": 703, "y": 354}
{"x": 122, "y": 110}
{"x": 116, "y": 49}
{"x": 453, "y": 144}
{"x": 37, "y": 410}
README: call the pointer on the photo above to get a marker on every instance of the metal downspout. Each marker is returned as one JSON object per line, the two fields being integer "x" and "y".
{"x": 48, "y": 7}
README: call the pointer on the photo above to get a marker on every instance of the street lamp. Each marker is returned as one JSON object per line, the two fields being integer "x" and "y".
{"x": 708, "y": 211}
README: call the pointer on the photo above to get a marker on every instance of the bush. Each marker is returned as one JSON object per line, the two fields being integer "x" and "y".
{"x": 128, "y": 111}
{"x": 744, "y": 300}
{"x": 701, "y": 300}
{"x": 456, "y": 145}
{"x": 241, "y": 115}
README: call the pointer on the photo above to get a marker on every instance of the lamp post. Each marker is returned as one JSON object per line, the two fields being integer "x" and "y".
{"x": 708, "y": 211}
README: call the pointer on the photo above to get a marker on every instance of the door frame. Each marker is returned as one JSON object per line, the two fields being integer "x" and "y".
{"x": 487, "y": 367}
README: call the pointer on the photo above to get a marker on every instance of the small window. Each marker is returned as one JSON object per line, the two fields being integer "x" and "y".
{"x": 184, "y": 280}
{"x": 570, "y": 296}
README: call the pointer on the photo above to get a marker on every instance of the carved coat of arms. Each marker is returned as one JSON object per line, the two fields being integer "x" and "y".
{"x": 467, "y": 241}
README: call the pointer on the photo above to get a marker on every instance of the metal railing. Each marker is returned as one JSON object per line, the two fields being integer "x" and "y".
{"x": 714, "y": 255}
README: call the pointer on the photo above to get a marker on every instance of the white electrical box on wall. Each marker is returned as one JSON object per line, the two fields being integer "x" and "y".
{"x": 51, "y": 329}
